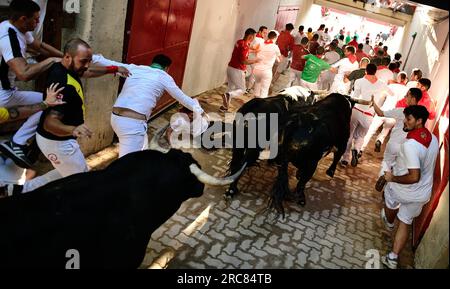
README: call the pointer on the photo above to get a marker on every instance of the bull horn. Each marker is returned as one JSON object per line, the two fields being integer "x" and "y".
{"x": 214, "y": 181}
{"x": 320, "y": 91}
{"x": 154, "y": 145}
{"x": 359, "y": 101}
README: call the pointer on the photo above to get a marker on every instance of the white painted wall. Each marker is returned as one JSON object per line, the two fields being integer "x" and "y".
{"x": 432, "y": 252}
{"x": 254, "y": 13}
{"x": 211, "y": 45}
{"x": 429, "y": 53}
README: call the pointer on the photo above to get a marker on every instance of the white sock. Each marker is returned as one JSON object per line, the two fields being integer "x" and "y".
{"x": 392, "y": 255}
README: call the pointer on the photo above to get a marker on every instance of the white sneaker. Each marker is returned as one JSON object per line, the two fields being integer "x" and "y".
{"x": 386, "y": 223}
{"x": 389, "y": 262}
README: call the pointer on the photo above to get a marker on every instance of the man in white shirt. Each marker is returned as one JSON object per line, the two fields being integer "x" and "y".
{"x": 362, "y": 115}
{"x": 15, "y": 38}
{"x": 138, "y": 97}
{"x": 399, "y": 90}
{"x": 326, "y": 37}
{"x": 385, "y": 70}
{"x": 255, "y": 47}
{"x": 367, "y": 48}
{"x": 416, "y": 74}
{"x": 398, "y": 136}
{"x": 269, "y": 53}
{"x": 410, "y": 182}
{"x": 321, "y": 33}
{"x": 299, "y": 35}
{"x": 343, "y": 67}
{"x": 331, "y": 57}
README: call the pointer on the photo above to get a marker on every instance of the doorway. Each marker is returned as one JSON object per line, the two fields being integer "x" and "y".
{"x": 159, "y": 26}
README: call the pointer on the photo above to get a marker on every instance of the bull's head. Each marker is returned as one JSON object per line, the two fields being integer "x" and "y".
{"x": 302, "y": 94}
{"x": 195, "y": 170}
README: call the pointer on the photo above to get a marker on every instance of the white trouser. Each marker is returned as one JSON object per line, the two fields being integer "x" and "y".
{"x": 10, "y": 173}
{"x": 236, "y": 82}
{"x": 132, "y": 134}
{"x": 326, "y": 80}
{"x": 9, "y": 98}
{"x": 65, "y": 156}
{"x": 40, "y": 181}
{"x": 339, "y": 86}
{"x": 251, "y": 78}
{"x": 359, "y": 125}
{"x": 310, "y": 85}
{"x": 263, "y": 80}
{"x": 295, "y": 77}
{"x": 283, "y": 65}
{"x": 390, "y": 155}
{"x": 387, "y": 123}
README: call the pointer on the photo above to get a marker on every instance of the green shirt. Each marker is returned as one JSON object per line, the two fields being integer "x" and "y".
{"x": 313, "y": 67}
{"x": 340, "y": 52}
{"x": 348, "y": 39}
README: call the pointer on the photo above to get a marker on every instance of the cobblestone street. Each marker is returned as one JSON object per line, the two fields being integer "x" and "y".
{"x": 337, "y": 228}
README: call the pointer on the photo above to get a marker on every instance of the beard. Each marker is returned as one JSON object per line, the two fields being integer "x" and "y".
{"x": 79, "y": 71}
{"x": 406, "y": 129}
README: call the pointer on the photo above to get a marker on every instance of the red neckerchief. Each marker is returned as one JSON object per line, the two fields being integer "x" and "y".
{"x": 259, "y": 35}
{"x": 269, "y": 41}
{"x": 352, "y": 58}
{"x": 421, "y": 135}
{"x": 371, "y": 78}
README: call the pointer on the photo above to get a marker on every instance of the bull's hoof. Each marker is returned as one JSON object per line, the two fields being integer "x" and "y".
{"x": 301, "y": 201}
{"x": 330, "y": 173}
{"x": 229, "y": 194}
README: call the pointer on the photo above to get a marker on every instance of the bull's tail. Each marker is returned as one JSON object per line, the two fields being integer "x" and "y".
{"x": 280, "y": 190}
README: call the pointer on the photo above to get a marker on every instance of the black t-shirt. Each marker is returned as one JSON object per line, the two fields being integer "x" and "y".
{"x": 73, "y": 110}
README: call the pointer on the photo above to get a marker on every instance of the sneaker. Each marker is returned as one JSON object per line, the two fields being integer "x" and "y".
{"x": 380, "y": 184}
{"x": 386, "y": 223}
{"x": 10, "y": 190}
{"x": 389, "y": 262}
{"x": 354, "y": 158}
{"x": 17, "y": 153}
{"x": 378, "y": 146}
{"x": 344, "y": 164}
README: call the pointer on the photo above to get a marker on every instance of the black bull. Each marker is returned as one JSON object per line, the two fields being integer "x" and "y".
{"x": 290, "y": 99}
{"x": 307, "y": 133}
{"x": 108, "y": 216}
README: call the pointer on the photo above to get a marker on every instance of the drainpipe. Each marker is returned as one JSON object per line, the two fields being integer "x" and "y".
{"x": 410, "y": 48}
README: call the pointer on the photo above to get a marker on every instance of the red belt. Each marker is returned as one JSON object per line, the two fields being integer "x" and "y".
{"x": 364, "y": 112}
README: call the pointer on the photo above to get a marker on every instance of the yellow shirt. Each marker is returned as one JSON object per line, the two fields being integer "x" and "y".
{"x": 4, "y": 114}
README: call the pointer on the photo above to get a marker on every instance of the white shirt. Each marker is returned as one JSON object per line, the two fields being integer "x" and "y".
{"x": 414, "y": 155}
{"x": 398, "y": 136}
{"x": 145, "y": 86}
{"x": 321, "y": 33}
{"x": 326, "y": 38}
{"x": 364, "y": 89}
{"x": 268, "y": 54}
{"x": 344, "y": 65}
{"x": 412, "y": 84}
{"x": 13, "y": 44}
{"x": 399, "y": 92}
{"x": 257, "y": 42}
{"x": 367, "y": 48}
{"x": 385, "y": 75}
{"x": 298, "y": 37}
{"x": 332, "y": 57}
